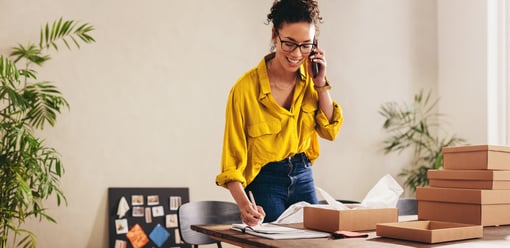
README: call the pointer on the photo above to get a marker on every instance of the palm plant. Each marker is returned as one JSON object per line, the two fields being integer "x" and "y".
{"x": 417, "y": 127}
{"x": 29, "y": 170}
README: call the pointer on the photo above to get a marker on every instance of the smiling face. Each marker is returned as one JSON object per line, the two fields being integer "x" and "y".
{"x": 299, "y": 33}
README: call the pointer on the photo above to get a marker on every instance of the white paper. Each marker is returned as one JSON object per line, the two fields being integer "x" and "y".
{"x": 123, "y": 207}
{"x": 293, "y": 214}
{"x": 267, "y": 228}
{"x": 384, "y": 194}
{"x": 332, "y": 202}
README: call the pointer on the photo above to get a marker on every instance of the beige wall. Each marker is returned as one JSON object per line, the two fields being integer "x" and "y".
{"x": 463, "y": 62}
{"x": 148, "y": 99}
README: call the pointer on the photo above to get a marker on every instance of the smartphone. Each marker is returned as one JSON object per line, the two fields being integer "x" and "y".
{"x": 315, "y": 66}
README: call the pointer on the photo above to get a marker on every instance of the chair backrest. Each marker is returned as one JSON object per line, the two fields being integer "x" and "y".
{"x": 205, "y": 212}
{"x": 407, "y": 206}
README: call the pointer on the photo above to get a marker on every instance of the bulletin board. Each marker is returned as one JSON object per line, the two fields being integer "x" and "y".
{"x": 150, "y": 217}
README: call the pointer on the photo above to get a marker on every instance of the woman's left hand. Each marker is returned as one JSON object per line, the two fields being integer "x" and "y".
{"x": 320, "y": 58}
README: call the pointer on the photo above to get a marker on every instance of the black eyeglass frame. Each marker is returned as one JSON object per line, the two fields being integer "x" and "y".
{"x": 296, "y": 45}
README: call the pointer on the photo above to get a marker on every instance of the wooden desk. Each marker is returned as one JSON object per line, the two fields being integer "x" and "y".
{"x": 493, "y": 236}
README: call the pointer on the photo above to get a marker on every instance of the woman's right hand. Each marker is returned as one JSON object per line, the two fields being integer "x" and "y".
{"x": 251, "y": 216}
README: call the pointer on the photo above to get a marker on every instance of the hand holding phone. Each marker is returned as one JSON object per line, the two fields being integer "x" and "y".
{"x": 315, "y": 66}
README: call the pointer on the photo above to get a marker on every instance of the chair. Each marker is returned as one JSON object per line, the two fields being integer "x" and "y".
{"x": 205, "y": 212}
{"x": 407, "y": 206}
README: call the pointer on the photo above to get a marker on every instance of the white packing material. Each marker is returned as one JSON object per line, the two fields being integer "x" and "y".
{"x": 384, "y": 194}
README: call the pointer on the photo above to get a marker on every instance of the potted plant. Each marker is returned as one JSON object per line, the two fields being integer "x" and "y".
{"x": 30, "y": 171}
{"x": 417, "y": 127}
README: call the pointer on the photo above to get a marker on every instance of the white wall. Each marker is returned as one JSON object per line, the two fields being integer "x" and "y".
{"x": 462, "y": 61}
{"x": 473, "y": 68}
{"x": 381, "y": 51}
{"x": 148, "y": 99}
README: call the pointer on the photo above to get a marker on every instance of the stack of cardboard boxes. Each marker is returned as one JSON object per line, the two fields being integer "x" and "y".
{"x": 472, "y": 188}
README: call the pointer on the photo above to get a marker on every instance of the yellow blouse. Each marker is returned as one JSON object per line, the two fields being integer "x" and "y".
{"x": 258, "y": 130}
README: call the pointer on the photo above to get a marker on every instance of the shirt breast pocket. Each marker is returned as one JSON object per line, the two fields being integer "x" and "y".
{"x": 264, "y": 128}
{"x": 262, "y": 136}
{"x": 308, "y": 112}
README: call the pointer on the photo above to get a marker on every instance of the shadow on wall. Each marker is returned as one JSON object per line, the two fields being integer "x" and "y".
{"x": 100, "y": 226}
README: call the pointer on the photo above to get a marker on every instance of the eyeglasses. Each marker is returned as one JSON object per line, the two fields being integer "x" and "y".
{"x": 289, "y": 46}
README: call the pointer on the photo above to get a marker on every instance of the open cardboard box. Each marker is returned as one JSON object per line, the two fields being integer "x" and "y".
{"x": 473, "y": 179}
{"x": 330, "y": 220}
{"x": 470, "y": 206}
{"x": 477, "y": 157}
{"x": 429, "y": 231}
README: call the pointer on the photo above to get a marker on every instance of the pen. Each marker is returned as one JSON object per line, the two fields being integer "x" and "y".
{"x": 252, "y": 200}
{"x": 254, "y": 204}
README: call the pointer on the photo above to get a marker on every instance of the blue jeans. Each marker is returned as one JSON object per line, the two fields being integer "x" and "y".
{"x": 283, "y": 183}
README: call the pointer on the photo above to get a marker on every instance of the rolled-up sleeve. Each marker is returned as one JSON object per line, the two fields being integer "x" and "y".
{"x": 329, "y": 129}
{"x": 230, "y": 175}
{"x": 234, "y": 155}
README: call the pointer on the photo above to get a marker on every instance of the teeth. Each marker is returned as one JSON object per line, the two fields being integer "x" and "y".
{"x": 293, "y": 61}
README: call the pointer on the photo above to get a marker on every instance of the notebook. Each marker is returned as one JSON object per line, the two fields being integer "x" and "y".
{"x": 272, "y": 231}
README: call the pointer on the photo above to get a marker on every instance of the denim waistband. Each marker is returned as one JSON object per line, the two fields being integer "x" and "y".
{"x": 288, "y": 165}
{"x": 297, "y": 158}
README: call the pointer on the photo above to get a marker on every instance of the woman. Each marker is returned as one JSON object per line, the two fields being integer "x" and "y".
{"x": 275, "y": 113}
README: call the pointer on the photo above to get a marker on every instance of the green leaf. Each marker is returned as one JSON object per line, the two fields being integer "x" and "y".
{"x": 30, "y": 53}
{"x": 63, "y": 30}
{"x": 54, "y": 30}
{"x": 45, "y": 101}
{"x": 9, "y": 74}
{"x": 47, "y": 35}
{"x": 29, "y": 73}
{"x": 28, "y": 241}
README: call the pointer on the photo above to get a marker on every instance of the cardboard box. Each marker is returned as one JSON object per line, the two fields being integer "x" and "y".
{"x": 330, "y": 220}
{"x": 429, "y": 231}
{"x": 474, "y": 179}
{"x": 470, "y": 196}
{"x": 477, "y": 214}
{"x": 471, "y": 206}
{"x": 477, "y": 157}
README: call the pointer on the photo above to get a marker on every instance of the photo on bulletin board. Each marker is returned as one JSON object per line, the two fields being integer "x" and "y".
{"x": 171, "y": 220}
{"x": 175, "y": 202}
{"x": 121, "y": 226}
{"x": 152, "y": 200}
{"x": 158, "y": 211}
{"x": 138, "y": 211}
{"x": 137, "y": 200}
{"x": 148, "y": 215}
{"x": 120, "y": 244}
{"x": 152, "y": 210}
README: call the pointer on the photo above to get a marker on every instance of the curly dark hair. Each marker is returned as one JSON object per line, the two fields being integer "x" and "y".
{"x": 294, "y": 11}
